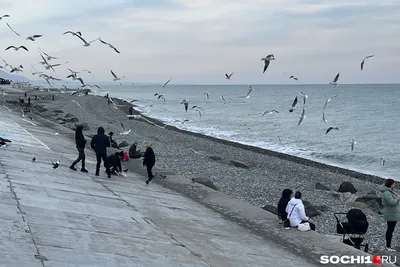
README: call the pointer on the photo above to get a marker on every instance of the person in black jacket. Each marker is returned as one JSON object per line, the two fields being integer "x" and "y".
{"x": 283, "y": 202}
{"x": 80, "y": 145}
{"x": 99, "y": 143}
{"x": 149, "y": 161}
{"x": 114, "y": 162}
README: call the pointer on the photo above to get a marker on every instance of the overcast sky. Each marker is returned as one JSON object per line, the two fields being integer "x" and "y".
{"x": 198, "y": 41}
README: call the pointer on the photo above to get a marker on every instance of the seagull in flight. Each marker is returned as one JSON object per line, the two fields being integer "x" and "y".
{"x": 12, "y": 29}
{"x": 293, "y": 105}
{"x": 33, "y": 37}
{"x": 352, "y": 144}
{"x": 47, "y": 55}
{"x": 304, "y": 97}
{"x": 334, "y": 82}
{"x": 294, "y": 78}
{"x": 55, "y": 165}
{"x": 4, "y": 16}
{"x": 18, "y": 69}
{"x": 228, "y": 77}
{"x": 165, "y": 84}
{"x": 207, "y": 95}
{"x": 328, "y": 100}
{"x": 331, "y": 128}
{"x": 185, "y": 102}
{"x": 248, "y": 93}
{"x": 183, "y": 122}
{"x": 323, "y": 117}
{"x": 223, "y": 99}
{"x": 73, "y": 33}
{"x": 124, "y": 131}
{"x": 17, "y": 48}
{"x": 116, "y": 78}
{"x": 110, "y": 45}
{"x": 160, "y": 97}
{"x": 75, "y": 78}
{"x": 303, "y": 115}
{"x": 269, "y": 112}
{"x": 383, "y": 161}
{"x": 86, "y": 44}
{"x": 267, "y": 60}
{"x": 362, "y": 62}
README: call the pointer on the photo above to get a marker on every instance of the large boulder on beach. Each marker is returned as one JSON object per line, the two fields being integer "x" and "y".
{"x": 206, "y": 182}
{"x": 123, "y": 144}
{"x": 240, "y": 164}
{"x": 322, "y": 187}
{"x": 347, "y": 187}
{"x": 368, "y": 198}
{"x": 58, "y": 111}
{"x": 71, "y": 119}
{"x": 216, "y": 158}
{"x": 311, "y": 211}
{"x": 347, "y": 197}
{"x": 69, "y": 115}
{"x": 271, "y": 208}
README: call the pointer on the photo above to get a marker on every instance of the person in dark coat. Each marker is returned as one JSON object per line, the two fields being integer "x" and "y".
{"x": 112, "y": 141}
{"x": 99, "y": 143}
{"x": 283, "y": 202}
{"x": 149, "y": 161}
{"x": 80, "y": 145}
{"x": 133, "y": 153}
{"x": 114, "y": 162}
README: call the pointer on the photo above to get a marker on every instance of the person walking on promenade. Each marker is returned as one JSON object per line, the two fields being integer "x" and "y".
{"x": 149, "y": 161}
{"x": 99, "y": 144}
{"x": 80, "y": 145}
{"x": 391, "y": 210}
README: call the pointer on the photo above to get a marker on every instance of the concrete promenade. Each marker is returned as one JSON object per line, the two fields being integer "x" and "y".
{"x": 61, "y": 218}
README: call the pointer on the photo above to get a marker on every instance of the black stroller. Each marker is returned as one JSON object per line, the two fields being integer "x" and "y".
{"x": 354, "y": 229}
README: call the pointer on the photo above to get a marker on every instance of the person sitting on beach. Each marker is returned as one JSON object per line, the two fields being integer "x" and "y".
{"x": 391, "y": 210}
{"x": 99, "y": 143}
{"x": 282, "y": 204}
{"x": 133, "y": 153}
{"x": 113, "y": 142}
{"x": 297, "y": 213}
{"x": 149, "y": 161}
{"x": 114, "y": 162}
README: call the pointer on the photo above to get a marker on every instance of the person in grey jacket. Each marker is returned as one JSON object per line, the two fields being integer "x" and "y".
{"x": 391, "y": 209}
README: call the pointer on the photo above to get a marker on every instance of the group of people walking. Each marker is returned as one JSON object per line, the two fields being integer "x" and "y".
{"x": 112, "y": 163}
{"x": 291, "y": 211}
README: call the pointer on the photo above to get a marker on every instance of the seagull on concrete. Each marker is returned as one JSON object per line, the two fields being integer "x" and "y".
{"x": 110, "y": 45}
{"x": 267, "y": 60}
{"x": 352, "y": 144}
{"x": 293, "y": 105}
{"x": 334, "y": 82}
{"x": 55, "y": 165}
{"x": 17, "y": 48}
{"x": 116, "y": 78}
{"x": 33, "y": 37}
{"x": 362, "y": 62}
{"x": 165, "y": 84}
{"x": 303, "y": 115}
{"x": 269, "y": 112}
{"x": 331, "y": 128}
{"x": 228, "y": 77}
{"x": 12, "y": 29}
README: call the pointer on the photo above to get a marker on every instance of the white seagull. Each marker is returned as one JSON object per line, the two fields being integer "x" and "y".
{"x": 303, "y": 115}
{"x": 293, "y": 105}
{"x": 331, "y": 128}
{"x": 328, "y": 100}
{"x": 47, "y": 55}
{"x": 304, "y": 97}
{"x": 116, "y": 78}
{"x": 228, "y": 77}
{"x": 110, "y": 45}
{"x": 248, "y": 93}
{"x": 323, "y": 117}
{"x": 334, "y": 82}
{"x": 17, "y": 48}
{"x": 4, "y": 16}
{"x": 352, "y": 144}
{"x": 383, "y": 161}
{"x": 362, "y": 62}
{"x": 269, "y": 112}
{"x": 267, "y": 60}
{"x": 165, "y": 84}
{"x": 12, "y": 29}
{"x": 33, "y": 37}
{"x": 207, "y": 95}
{"x": 86, "y": 44}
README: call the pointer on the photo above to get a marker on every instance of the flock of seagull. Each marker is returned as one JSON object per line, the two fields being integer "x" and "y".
{"x": 48, "y": 65}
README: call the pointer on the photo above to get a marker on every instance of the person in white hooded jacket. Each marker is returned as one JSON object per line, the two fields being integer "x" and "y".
{"x": 296, "y": 212}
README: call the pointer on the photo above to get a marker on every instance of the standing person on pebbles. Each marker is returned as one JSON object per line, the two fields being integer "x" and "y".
{"x": 99, "y": 143}
{"x": 149, "y": 161}
{"x": 391, "y": 210}
{"x": 80, "y": 145}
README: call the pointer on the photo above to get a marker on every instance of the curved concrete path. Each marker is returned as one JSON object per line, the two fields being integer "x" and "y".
{"x": 60, "y": 218}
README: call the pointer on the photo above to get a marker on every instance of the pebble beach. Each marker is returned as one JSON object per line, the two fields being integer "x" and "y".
{"x": 254, "y": 175}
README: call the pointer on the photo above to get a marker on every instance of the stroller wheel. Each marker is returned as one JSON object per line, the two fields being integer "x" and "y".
{"x": 366, "y": 248}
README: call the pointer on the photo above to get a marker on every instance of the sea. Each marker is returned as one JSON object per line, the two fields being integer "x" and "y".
{"x": 368, "y": 114}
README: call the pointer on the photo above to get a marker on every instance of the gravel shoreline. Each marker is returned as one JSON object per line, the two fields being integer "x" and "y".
{"x": 268, "y": 174}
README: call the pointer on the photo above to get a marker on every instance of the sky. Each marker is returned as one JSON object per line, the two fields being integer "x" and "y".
{"x": 198, "y": 41}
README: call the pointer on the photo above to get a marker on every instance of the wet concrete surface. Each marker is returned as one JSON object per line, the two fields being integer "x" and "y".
{"x": 58, "y": 217}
